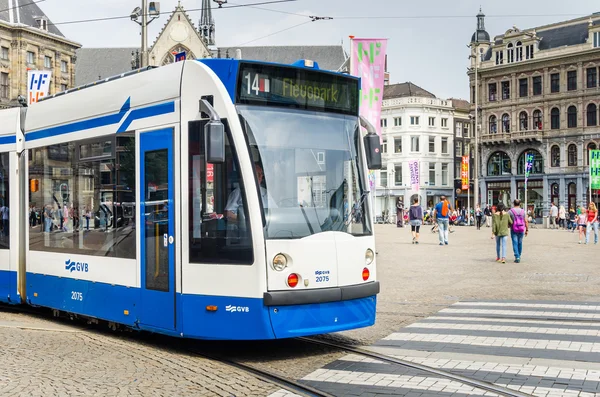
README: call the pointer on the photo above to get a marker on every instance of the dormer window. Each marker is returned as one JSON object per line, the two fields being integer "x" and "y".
{"x": 42, "y": 23}
{"x": 510, "y": 53}
{"x": 519, "y": 51}
{"x": 596, "y": 39}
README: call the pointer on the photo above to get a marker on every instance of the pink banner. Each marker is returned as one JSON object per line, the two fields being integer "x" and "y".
{"x": 367, "y": 61}
{"x": 413, "y": 167}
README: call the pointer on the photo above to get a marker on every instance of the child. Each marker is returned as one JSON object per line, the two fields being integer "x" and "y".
{"x": 582, "y": 223}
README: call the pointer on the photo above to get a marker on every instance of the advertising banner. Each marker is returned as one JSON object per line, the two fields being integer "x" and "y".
{"x": 594, "y": 169}
{"x": 464, "y": 172}
{"x": 413, "y": 167}
{"x": 38, "y": 85}
{"x": 529, "y": 165}
{"x": 367, "y": 61}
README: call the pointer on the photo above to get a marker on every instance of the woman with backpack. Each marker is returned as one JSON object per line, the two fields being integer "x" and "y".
{"x": 519, "y": 227}
{"x": 500, "y": 230}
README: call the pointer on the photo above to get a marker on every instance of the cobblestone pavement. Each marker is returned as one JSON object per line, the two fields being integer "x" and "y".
{"x": 45, "y": 357}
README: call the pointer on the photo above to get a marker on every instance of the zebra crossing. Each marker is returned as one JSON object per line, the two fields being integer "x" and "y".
{"x": 541, "y": 348}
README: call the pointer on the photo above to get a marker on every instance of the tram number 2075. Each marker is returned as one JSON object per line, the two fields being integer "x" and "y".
{"x": 76, "y": 296}
{"x": 322, "y": 276}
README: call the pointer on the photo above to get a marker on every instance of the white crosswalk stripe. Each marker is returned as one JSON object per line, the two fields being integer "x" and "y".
{"x": 506, "y": 328}
{"x": 523, "y": 313}
{"x": 532, "y": 305}
{"x": 457, "y": 320}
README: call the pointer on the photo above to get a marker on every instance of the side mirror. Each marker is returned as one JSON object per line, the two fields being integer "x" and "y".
{"x": 373, "y": 151}
{"x": 214, "y": 132}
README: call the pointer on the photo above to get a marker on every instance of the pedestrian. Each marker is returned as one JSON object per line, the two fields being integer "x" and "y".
{"x": 500, "y": 231}
{"x": 582, "y": 223}
{"x": 487, "y": 212}
{"x": 592, "y": 222}
{"x": 562, "y": 216}
{"x": 399, "y": 213}
{"x": 442, "y": 212}
{"x": 519, "y": 227}
{"x": 572, "y": 220}
{"x": 415, "y": 214}
{"x": 478, "y": 216}
{"x": 553, "y": 215}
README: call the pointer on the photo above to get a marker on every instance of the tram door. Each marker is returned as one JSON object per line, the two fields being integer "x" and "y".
{"x": 157, "y": 229}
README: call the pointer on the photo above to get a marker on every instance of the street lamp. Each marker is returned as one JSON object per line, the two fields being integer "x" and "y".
{"x": 153, "y": 10}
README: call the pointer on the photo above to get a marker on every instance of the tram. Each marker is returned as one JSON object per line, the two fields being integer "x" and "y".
{"x": 204, "y": 199}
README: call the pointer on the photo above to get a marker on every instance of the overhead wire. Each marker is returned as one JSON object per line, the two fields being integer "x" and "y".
{"x": 21, "y": 5}
{"x": 274, "y": 33}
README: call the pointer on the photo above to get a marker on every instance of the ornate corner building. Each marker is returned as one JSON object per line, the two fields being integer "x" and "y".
{"x": 538, "y": 93}
{"x": 29, "y": 40}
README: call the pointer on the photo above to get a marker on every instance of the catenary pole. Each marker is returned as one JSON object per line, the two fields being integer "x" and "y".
{"x": 144, "y": 56}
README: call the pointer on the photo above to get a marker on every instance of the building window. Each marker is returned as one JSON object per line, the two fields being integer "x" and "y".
{"x": 4, "y": 86}
{"x": 458, "y": 149}
{"x": 431, "y": 174}
{"x": 523, "y": 87}
{"x": 510, "y": 54}
{"x": 397, "y": 121}
{"x": 537, "y": 119}
{"x": 431, "y": 144}
{"x": 572, "y": 155}
{"x": 47, "y": 62}
{"x": 64, "y": 66}
{"x": 537, "y": 85}
{"x": 384, "y": 147}
{"x": 572, "y": 117}
{"x": 537, "y": 167}
{"x": 590, "y": 146}
{"x": 499, "y": 57}
{"x": 432, "y": 121}
{"x": 4, "y": 53}
{"x": 519, "y": 51}
{"x": 555, "y": 119}
{"x": 445, "y": 174}
{"x": 571, "y": 80}
{"x": 383, "y": 123}
{"x": 555, "y": 156}
{"x": 397, "y": 145}
{"x": 529, "y": 51}
{"x": 493, "y": 125}
{"x": 458, "y": 129}
{"x": 63, "y": 87}
{"x": 555, "y": 82}
{"x": 445, "y": 123}
{"x": 383, "y": 179}
{"x": 398, "y": 175}
{"x": 499, "y": 164}
{"x": 592, "y": 118}
{"x": 591, "y": 77}
{"x": 414, "y": 120}
{"x": 523, "y": 121}
{"x": 414, "y": 143}
{"x": 506, "y": 90}
{"x": 444, "y": 145}
{"x": 492, "y": 91}
{"x": 466, "y": 130}
{"x": 596, "y": 39}
{"x": 505, "y": 123}
{"x": 30, "y": 57}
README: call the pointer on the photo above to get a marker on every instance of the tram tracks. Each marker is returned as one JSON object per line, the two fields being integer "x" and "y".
{"x": 487, "y": 386}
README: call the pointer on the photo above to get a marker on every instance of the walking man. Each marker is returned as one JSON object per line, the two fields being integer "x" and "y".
{"x": 519, "y": 228}
{"x": 441, "y": 213}
{"x": 553, "y": 216}
{"x": 487, "y": 212}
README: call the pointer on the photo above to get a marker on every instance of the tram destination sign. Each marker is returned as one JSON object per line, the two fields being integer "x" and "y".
{"x": 274, "y": 85}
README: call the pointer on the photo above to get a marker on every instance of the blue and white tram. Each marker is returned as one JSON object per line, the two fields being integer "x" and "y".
{"x": 214, "y": 199}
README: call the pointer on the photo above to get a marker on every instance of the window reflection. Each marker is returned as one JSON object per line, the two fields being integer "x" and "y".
{"x": 82, "y": 197}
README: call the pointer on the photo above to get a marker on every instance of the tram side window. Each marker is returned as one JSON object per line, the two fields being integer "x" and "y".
{"x": 82, "y": 197}
{"x": 4, "y": 200}
{"x": 219, "y": 228}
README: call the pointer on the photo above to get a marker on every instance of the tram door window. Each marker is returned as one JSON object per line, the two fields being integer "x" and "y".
{"x": 4, "y": 201}
{"x": 219, "y": 227}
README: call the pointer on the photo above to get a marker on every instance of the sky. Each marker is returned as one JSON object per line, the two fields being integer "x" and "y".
{"x": 427, "y": 39}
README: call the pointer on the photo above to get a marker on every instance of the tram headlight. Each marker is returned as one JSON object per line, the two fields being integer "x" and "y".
{"x": 369, "y": 256}
{"x": 279, "y": 262}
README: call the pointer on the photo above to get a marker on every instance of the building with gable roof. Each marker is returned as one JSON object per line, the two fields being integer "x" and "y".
{"x": 29, "y": 40}
{"x": 538, "y": 94}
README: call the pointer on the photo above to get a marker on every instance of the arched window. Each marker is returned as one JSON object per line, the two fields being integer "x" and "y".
{"x": 523, "y": 121}
{"x": 572, "y": 117}
{"x": 590, "y": 146}
{"x": 510, "y": 53}
{"x": 592, "y": 116}
{"x": 537, "y": 120}
{"x": 572, "y": 155}
{"x": 499, "y": 164}
{"x": 555, "y": 156}
{"x": 505, "y": 123}
{"x": 555, "y": 119}
{"x": 572, "y": 195}
{"x": 493, "y": 125}
{"x": 519, "y": 51}
{"x": 537, "y": 165}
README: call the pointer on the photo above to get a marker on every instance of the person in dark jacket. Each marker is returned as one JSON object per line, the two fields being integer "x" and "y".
{"x": 415, "y": 215}
{"x": 399, "y": 213}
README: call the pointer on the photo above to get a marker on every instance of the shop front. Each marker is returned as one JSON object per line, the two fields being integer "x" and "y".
{"x": 498, "y": 192}
{"x": 535, "y": 196}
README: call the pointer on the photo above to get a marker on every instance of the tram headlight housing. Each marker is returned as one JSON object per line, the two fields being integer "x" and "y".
{"x": 280, "y": 262}
{"x": 369, "y": 256}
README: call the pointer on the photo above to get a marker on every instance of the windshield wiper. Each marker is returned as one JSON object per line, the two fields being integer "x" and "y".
{"x": 310, "y": 228}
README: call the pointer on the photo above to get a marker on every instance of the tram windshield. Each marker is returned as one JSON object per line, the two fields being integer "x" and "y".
{"x": 313, "y": 173}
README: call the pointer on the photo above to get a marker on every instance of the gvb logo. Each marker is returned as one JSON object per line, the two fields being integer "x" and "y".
{"x": 76, "y": 266}
{"x": 241, "y": 309}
